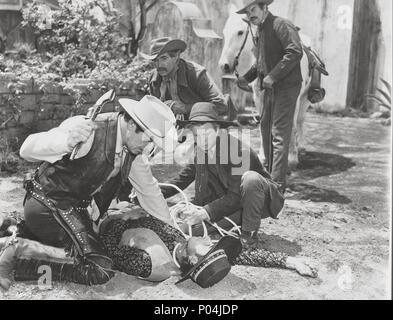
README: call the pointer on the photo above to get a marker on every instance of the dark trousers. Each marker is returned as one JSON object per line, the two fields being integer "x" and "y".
{"x": 40, "y": 225}
{"x": 254, "y": 189}
{"x": 281, "y": 119}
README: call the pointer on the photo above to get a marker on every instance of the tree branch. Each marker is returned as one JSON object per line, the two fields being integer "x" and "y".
{"x": 142, "y": 30}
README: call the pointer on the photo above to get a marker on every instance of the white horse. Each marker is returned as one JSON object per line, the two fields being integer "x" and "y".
{"x": 235, "y": 31}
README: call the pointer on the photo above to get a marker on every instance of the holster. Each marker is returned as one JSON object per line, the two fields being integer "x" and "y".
{"x": 77, "y": 225}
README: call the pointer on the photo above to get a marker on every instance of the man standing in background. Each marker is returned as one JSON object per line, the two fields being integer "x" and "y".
{"x": 279, "y": 52}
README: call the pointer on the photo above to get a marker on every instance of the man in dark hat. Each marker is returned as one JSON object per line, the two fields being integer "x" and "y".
{"x": 181, "y": 83}
{"x": 230, "y": 180}
{"x": 279, "y": 52}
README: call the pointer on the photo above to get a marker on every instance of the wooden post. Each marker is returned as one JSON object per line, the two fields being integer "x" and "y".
{"x": 365, "y": 53}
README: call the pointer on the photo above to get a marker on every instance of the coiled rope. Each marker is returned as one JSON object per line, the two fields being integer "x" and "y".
{"x": 178, "y": 208}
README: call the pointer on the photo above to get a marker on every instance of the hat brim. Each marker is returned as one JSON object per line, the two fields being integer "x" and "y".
{"x": 172, "y": 45}
{"x": 221, "y": 123}
{"x": 232, "y": 247}
{"x": 163, "y": 142}
{"x": 244, "y": 10}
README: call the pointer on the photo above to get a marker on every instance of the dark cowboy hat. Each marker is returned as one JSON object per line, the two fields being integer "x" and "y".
{"x": 204, "y": 112}
{"x": 251, "y": 2}
{"x": 163, "y": 45}
{"x": 216, "y": 264}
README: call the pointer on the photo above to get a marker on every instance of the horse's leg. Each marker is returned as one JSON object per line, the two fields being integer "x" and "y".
{"x": 304, "y": 104}
{"x": 297, "y": 141}
{"x": 293, "y": 159}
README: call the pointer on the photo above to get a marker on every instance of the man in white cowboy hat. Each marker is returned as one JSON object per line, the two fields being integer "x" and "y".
{"x": 181, "y": 83}
{"x": 279, "y": 52}
{"x": 64, "y": 197}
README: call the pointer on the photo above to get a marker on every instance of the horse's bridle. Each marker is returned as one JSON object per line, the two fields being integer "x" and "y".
{"x": 236, "y": 63}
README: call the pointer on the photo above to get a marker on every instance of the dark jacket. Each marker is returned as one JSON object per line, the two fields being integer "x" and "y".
{"x": 222, "y": 197}
{"x": 72, "y": 182}
{"x": 282, "y": 50}
{"x": 194, "y": 85}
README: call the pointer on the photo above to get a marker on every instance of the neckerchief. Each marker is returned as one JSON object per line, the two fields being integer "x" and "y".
{"x": 169, "y": 85}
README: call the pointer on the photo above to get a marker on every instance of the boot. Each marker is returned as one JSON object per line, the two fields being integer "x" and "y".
{"x": 26, "y": 256}
{"x": 81, "y": 273}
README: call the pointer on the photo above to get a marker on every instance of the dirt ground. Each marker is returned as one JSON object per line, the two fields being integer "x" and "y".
{"x": 337, "y": 213}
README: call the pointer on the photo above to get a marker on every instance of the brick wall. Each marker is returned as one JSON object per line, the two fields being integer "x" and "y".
{"x": 45, "y": 105}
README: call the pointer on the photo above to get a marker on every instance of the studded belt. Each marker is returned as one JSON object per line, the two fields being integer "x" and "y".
{"x": 73, "y": 220}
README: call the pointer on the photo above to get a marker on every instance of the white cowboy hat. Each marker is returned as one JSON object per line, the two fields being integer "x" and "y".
{"x": 249, "y": 3}
{"x": 155, "y": 118}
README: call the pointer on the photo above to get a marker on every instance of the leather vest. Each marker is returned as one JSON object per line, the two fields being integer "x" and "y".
{"x": 72, "y": 182}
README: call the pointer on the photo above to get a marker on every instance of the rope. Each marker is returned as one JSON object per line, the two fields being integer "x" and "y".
{"x": 240, "y": 52}
{"x": 249, "y": 30}
{"x": 179, "y": 207}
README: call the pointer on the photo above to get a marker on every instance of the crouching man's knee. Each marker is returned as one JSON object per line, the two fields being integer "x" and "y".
{"x": 252, "y": 182}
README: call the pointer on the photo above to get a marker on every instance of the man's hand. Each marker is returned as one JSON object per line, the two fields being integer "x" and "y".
{"x": 303, "y": 266}
{"x": 268, "y": 82}
{"x": 80, "y": 132}
{"x": 195, "y": 216}
{"x": 176, "y": 106}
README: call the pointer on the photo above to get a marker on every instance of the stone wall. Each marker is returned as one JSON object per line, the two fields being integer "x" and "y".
{"x": 184, "y": 20}
{"x": 45, "y": 105}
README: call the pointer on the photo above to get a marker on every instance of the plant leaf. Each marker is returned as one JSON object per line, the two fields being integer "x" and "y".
{"x": 386, "y": 96}
{"x": 387, "y": 84}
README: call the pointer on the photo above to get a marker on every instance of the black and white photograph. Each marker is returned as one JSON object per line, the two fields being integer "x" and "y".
{"x": 195, "y": 150}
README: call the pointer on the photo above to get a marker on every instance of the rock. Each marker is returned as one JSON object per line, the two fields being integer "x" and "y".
{"x": 387, "y": 122}
{"x": 234, "y": 293}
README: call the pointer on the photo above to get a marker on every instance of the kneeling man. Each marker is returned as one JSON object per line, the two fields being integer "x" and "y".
{"x": 230, "y": 180}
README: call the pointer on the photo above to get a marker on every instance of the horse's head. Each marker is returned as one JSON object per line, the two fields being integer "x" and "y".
{"x": 235, "y": 32}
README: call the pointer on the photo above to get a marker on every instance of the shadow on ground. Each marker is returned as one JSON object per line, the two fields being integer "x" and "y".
{"x": 276, "y": 243}
{"x": 316, "y": 164}
{"x": 303, "y": 191}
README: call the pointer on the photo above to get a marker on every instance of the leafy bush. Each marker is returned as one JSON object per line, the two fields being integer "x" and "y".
{"x": 78, "y": 35}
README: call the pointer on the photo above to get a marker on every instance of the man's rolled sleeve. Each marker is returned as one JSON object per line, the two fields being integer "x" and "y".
{"x": 50, "y": 146}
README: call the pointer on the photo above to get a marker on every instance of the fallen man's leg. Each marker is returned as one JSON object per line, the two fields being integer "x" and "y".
{"x": 23, "y": 258}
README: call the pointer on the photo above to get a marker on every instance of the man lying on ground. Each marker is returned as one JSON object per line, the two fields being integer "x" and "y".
{"x": 143, "y": 246}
